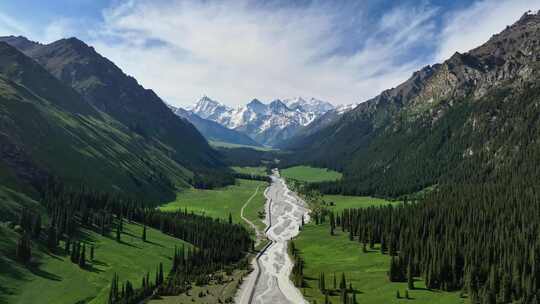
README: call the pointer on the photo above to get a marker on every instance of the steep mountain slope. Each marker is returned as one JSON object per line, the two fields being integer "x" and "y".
{"x": 47, "y": 129}
{"x": 325, "y": 119}
{"x": 212, "y": 130}
{"x": 268, "y": 124}
{"x": 105, "y": 86}
{"x": 476, "y": 110}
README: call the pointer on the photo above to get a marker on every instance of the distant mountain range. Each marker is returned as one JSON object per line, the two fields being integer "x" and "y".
{"x": 213, "y": 131}
{"x": 267, "y": 124}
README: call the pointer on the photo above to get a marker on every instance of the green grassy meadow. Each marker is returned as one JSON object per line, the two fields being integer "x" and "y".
{"x": 310, "y": 174}
{"x": 366, "y": 271}
{"x": 218, "y": 203}
{"x": 221, "y": 144}
{"x": 54, "y": 279}
{"x": 341, "y": 202}
{"x": 257, "y": 171}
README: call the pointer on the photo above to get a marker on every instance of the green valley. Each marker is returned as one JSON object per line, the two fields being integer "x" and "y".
{"x": 221, "y": 202}
{"x": 310, "y": 174}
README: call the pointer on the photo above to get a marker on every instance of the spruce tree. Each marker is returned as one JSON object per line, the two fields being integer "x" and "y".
{"x": 36, "y": 227}
{"x": 24, "y": 248}
{"x": 118, "y": 233}
{"x": 51, "y": 238}
{"x": 343, "y": 282}
{"x": 161, "y": 278}
{"x": 82, "y": 257}
{"x": 410, "y": 277}
{"x": 144, "y": 233}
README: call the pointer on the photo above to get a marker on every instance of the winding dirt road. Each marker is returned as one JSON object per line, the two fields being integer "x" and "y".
{"x": 269, "y": 282}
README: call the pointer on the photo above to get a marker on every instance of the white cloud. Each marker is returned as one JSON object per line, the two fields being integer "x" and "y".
{"x": 234, "y": 51}
{"x": 237, "y": 50}
{"x": 11, "y": 26}
{"x": 471, "y": 27}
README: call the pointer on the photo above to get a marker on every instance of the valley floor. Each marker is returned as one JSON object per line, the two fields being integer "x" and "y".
{"x": 366, "y": 271}
{"x": 219, "y": 203}
{"x": 310, "y": 174}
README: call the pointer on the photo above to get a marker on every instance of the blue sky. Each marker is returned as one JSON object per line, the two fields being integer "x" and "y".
{"x": 235, "y": 50}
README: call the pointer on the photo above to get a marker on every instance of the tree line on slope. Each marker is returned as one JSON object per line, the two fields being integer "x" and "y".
{"x": 217, "y": 244}
{"x": 480, "y": 239}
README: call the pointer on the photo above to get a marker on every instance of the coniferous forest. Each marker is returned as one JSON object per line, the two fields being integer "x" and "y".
{"x": 216, "y": 244}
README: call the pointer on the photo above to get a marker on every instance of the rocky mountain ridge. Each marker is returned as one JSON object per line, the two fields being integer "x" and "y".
{"x": 444, "y": 115}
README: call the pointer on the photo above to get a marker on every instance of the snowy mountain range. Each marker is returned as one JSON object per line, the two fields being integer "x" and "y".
{"x": 214, "y": 131}
{"x": 265, "y": 123}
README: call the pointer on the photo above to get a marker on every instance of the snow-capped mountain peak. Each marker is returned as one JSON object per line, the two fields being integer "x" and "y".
{"x": 266, "y": 123}
{"x": 257, "y": 106}
{"x": 208, "y": 108}
{"x": 278, "y": 107}
{"x": 309, "y": 105}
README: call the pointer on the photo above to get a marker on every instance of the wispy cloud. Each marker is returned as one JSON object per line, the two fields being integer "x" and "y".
{"x": 468, "y": 28}
{"x": 240, "y": 49}
{"x": 235, "y": 51}
{"x": 11, "y": 26}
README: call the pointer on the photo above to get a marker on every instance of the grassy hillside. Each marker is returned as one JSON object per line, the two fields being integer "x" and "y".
{"x": 49, "y": 130}
{"x": 54, "y": 279}
{"x": 105, "y": 86}
{"x": 366, "y": 271}
{"x": 219, "y": 203}
{"x": 12, "y": 202}
{"x": 310, "y": 174}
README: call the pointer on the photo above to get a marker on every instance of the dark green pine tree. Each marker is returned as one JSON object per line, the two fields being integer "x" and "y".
{"x": 161, "y": 278}
{"x": 51, "y": 238}
{"x": 82, "y": 257}
{"x": 36, "y": 226}
{"x": 118, "y": 233}
{"x": 230, "y": 218}
{"x": 322, "y": 283}
{"x": 113, "y": 291}
{"x": 144, "y": 233}
{"x": 343, "y": 282}
{"x": 67, "y": 245}
{"x": 24, "y": 248}
{"x": 335, "y": 281}
{"x": 410, "y": 276}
